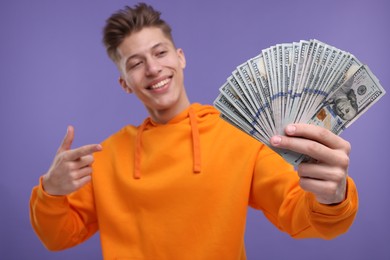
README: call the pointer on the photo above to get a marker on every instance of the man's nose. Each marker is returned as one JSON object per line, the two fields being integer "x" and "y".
{"x": 153, "y": 67}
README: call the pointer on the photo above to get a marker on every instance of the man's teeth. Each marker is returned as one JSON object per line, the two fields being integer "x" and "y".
{"x": 160, "y": 84}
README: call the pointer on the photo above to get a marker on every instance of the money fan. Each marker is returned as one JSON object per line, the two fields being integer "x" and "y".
{"x": 300, "y": 82}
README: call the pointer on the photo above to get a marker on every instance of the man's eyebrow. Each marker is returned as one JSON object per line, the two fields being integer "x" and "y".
{"x": 160, "y": 44}
{"x": 134, "y": 56}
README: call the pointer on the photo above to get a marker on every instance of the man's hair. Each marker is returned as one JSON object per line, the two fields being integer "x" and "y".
{"x": 353, "y": 100}
{"x": 130, "y": 20}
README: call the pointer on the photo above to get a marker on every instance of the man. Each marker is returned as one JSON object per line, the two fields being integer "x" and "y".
{"x": 178, "y": 186}
{"x": 345, "y": 104}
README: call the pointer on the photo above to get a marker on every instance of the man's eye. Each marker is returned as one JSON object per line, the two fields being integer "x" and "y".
{"x": 161, "y": 53}
{"x": 134, "y": 65}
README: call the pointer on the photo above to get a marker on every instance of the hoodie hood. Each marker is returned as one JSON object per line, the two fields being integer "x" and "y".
{"x": 194, "y": 115}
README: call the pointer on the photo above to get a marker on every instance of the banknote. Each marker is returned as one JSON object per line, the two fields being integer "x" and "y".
{"x": 306, "y": 82}
{"x": 349, "y": 101}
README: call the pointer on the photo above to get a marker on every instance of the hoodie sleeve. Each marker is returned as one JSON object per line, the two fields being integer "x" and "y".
{"x": 275, "y": 190}
{"x": 62, "y": 221}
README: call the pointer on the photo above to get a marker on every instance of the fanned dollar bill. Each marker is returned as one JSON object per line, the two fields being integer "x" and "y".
{"x": 300, "y": 82}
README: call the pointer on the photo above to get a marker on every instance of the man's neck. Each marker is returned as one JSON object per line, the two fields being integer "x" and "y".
{"x": 164, "y": 116}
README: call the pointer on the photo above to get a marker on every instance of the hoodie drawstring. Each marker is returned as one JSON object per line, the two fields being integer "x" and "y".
{"x": 195, "y": 141}
{"x": 195, "y": 145}
{"x": 138, "y": 151}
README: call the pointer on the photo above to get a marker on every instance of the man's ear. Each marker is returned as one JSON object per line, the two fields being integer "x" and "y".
{"x": 182, "y": 57}
{"x": 124, "y": 85}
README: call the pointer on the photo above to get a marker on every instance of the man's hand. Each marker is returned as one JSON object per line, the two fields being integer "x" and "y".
{"x": 71, "y": 169}
{"x": 326, "y": 174}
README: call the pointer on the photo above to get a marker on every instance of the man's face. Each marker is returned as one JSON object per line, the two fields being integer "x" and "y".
{"x": 344, "y": 109}
{"x": 152, "y": 68}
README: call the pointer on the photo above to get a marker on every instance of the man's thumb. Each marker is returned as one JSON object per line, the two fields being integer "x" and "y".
{"x": 68, "y": 140}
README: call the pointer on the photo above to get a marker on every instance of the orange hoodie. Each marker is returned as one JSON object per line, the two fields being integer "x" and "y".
{"x": 181, "y": 191}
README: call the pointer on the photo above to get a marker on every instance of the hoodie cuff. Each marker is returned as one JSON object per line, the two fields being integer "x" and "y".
{"x": 349, "y": 205}
{"x": 50, "y": 200}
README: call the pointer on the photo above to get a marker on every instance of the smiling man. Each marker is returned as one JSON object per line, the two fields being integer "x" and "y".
{"x": 178, "y": 186}
{"x": 152, "y": 68}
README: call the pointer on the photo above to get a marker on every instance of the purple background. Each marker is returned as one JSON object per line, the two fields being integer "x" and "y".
{"x": 54, "y": 72}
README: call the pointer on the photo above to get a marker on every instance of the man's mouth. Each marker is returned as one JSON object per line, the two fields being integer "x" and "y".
{"x": 159, "y": 84}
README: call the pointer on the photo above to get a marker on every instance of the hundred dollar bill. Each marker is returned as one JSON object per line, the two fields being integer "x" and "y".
{"x": 349, "y": 101}
{"x": 278, "y": 56}
{"x": 287, "y": 51}
{"x": 291, "y": 85}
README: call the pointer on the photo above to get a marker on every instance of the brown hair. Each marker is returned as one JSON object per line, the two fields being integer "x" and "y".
{"x": 129, "y": 20}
